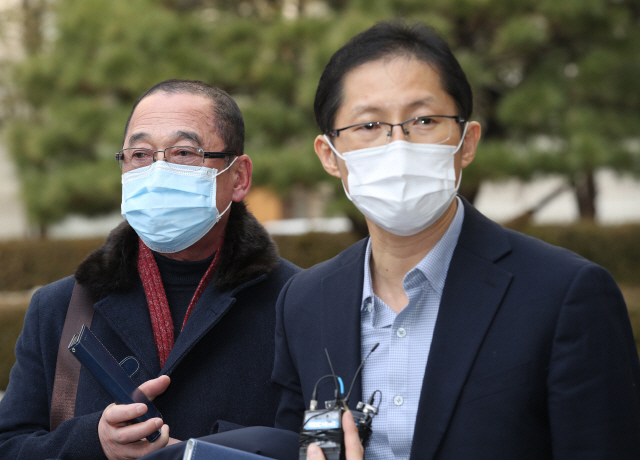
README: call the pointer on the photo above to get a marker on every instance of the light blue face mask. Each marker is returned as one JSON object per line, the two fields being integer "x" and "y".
{"x": 171, "y": 207}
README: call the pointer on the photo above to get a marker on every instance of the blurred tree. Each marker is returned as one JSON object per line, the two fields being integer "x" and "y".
{"x": 72, "y": 96}
{"x": 569, "y": 96}
{"x": 554, "y": 82}
{"x": 32, "y": 18}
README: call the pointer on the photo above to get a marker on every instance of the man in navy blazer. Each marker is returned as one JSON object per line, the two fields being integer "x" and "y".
{"x": 493, "y": 345}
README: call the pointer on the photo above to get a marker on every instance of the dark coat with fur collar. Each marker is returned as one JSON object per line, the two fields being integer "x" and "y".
{"x": 220, "y": 365}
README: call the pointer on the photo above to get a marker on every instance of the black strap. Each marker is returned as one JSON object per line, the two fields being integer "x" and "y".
{"x": 65, "y": 384}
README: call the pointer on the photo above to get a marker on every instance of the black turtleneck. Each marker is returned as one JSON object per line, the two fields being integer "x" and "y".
{"x": 180, "y": 280}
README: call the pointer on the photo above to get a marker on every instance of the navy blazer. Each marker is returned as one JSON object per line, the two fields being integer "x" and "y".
{"x": 533, "y": 356}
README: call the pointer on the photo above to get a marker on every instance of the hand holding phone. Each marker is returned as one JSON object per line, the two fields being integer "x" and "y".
{"x": 87, "y": 349}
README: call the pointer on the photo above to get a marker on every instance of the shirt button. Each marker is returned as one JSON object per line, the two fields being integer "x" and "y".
{"x": 401, "y": 332}
{"x": 398, "y": 400}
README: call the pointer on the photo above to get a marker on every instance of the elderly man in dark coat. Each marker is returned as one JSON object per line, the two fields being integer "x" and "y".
{"x": 186, "y": 286}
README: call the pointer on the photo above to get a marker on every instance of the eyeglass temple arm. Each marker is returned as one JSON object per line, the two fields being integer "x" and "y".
{"x": 217, "y": 154}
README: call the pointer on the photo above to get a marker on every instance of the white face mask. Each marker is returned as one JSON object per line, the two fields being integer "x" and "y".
{"x": 402, "y": 187}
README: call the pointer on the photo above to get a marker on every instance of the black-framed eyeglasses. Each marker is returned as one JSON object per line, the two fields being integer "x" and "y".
{"x": 137, "y": 157}
{"x": 433, "y": 129}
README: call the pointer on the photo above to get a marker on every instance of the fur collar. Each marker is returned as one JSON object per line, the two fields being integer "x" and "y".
{"x": 248, "y": 252}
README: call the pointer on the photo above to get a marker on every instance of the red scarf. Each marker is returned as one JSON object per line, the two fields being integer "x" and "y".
{"x": 161, "y": 321}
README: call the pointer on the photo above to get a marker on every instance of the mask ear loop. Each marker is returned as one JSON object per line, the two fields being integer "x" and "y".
{"x": 230, "y": 164}
{"x": 230, "y": 202}
{"x": 464, "y": 133}
{"x": 342, "y": 158}
{"x": 222, "y": 213}
{"x": 326, "y": 138}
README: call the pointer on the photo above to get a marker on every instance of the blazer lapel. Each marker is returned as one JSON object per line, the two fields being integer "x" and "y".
{"x": 472, "y": 294}
{"x": 128, "y": 316}
{"x": 210, "y": 308}
{"x": 341, "y": 300}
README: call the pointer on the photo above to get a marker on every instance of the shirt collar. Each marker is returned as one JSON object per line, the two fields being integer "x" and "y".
{"x": 434, "y": 265}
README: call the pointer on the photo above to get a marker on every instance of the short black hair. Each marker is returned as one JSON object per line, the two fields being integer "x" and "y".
{"x": 390, "y": 39}
{"x": 226, "y": 115}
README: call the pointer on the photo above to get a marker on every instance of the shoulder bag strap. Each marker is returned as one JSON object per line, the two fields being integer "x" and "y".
{"x": 65, "y": 384}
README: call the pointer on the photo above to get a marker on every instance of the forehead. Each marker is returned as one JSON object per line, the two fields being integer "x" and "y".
{"x": 393, "y": 87}
{"x": 163, "y": 117}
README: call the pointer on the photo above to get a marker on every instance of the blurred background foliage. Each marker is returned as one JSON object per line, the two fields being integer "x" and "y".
{"x": 555, "y": 85}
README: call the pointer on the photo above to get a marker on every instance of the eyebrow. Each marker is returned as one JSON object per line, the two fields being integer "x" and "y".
{"x": 137, "y": 137}
{"x": 189, "y": 136}
{"x": 362, "y": 109}
{"x": 179, "y": 135}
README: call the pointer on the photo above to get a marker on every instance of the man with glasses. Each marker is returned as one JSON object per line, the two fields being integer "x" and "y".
{"x": 186, "y": 287}
{"x": 490, "y": 344}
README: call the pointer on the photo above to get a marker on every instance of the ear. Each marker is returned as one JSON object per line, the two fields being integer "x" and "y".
{"x": 471, "y": 139}
{"x": 242, "y": 169}
{"x": 327, "y": 157}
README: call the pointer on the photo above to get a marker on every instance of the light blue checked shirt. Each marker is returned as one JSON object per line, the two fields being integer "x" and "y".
{"x": 397, "y": 366}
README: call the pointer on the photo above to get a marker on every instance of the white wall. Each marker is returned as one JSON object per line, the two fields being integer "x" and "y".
{"x": 13, "y": 223}
{"x": 617, "y": 199}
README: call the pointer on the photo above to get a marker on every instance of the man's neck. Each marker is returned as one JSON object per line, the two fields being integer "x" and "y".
{"x": 393, "y": 256}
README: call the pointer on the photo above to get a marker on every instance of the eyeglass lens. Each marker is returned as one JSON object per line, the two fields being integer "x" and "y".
{"x": 134, "y": 158}
{"x": 426, "y": 130}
